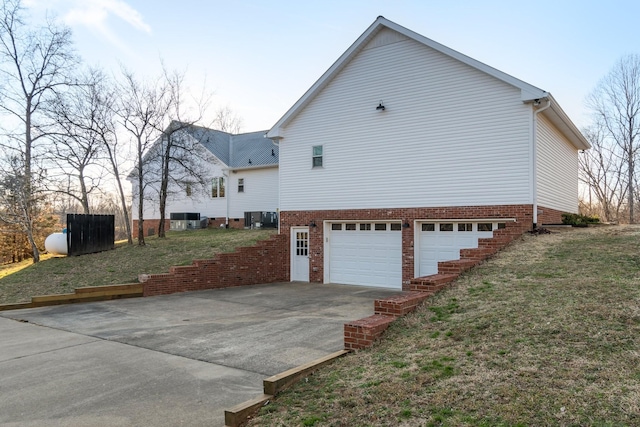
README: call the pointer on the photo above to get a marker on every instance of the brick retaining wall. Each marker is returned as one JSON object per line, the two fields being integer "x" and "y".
{"x": 266, "y": 262}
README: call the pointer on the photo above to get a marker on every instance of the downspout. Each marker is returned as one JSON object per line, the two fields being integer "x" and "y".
{"x": 534, "y": 149}
{"x": 227, "y": 196}
{"x": 276, "y": 142}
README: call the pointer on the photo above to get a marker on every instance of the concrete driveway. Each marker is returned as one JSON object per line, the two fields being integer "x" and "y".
{"x": 175, "y": 360}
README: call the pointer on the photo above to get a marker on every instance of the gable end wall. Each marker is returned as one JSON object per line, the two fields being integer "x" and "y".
{"x": 450, "y": 136}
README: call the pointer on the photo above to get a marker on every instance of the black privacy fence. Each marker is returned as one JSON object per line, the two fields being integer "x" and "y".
{"x": 87, "y": 234}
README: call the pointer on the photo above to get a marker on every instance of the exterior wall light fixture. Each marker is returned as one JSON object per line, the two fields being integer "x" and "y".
{"x": 380, "y": 107}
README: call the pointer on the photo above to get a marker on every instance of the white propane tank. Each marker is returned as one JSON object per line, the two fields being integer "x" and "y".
{"x": 56, "y": 244}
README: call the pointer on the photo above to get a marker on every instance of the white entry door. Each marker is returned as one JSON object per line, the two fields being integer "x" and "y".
{"x": 300, "y": 254}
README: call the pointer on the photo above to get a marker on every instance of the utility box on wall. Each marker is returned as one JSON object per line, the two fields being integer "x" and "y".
{"x": 184, "y": 221}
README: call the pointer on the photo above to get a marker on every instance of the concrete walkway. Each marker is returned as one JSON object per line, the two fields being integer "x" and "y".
{"x": 175, "y": 360}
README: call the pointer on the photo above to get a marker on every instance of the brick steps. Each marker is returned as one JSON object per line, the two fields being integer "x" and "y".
{"x": 360, "y": 334}
{"x": 432, "y": 283}
{"x": 399, "y": 305}
{"x": 456, "y": 266}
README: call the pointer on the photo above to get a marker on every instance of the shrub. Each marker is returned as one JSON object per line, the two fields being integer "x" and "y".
{"x": 578, "y": 220}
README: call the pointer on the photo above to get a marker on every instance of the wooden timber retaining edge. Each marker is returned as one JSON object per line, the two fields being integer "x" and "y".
{"x": 92, "y": 293}
{"x": 238, "y": 415}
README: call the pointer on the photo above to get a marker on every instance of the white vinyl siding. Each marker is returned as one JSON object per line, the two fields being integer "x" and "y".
{"x": 450, "y": 136}
{"x": 557, "y": 169}
{"x": 260, "y": 192}
{"x": 200, "y": 200}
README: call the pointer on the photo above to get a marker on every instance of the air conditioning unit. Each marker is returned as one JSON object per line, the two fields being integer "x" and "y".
{"x": 177, "y": 225}
{"x": 180, "y": 221}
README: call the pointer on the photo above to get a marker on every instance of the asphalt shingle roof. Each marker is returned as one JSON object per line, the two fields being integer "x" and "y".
{"x": 244, "y": 150}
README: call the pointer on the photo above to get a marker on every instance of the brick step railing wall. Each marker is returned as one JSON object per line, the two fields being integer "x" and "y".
{"x": 362, "y": 333}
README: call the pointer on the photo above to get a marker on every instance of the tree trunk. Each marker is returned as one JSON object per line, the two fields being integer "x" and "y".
{"x": 630, "y": 190}
{"x": 164, "y": 183}
{"x": 83, "y": 192}
{"x": 141, "y": 241}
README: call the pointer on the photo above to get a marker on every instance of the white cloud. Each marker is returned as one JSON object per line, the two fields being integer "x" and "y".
{"x": 96, "y": 12}
{"x": 95, "y": 16}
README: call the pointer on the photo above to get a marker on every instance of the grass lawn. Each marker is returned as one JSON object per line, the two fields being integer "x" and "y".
{"x": 547, "y": 333}
{"x": 55, "y": 275}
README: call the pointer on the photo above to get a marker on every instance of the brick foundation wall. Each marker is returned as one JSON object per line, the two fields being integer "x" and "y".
{"x": 522, "y": 213}
{"x": 549, "y": 216}
{"x": 150, "y": 227}
{"x": 153, "y": 225}
{"x": 237, "y": 223}
{"x": 266, "y": 262}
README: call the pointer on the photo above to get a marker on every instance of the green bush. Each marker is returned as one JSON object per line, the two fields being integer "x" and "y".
{"x": 578, "y": 220}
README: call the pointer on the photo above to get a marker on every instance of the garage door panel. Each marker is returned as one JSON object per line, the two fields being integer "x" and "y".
{"x": 366, "y": 257}
{"x": 436, "y": 245}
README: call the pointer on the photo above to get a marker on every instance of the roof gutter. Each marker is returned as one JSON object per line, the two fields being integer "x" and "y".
{"x": 534, "y": 154}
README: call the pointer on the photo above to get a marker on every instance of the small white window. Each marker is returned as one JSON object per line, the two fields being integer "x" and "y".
{"x": 380, "y": 227}
{"x": 465, "y": 226}
{"x": 350, "y": 227}
{"x": 365, "y": 227}
{"x": 428, "y": 227}
{"x": 446, "y": 227}
{"x": 336, "y": 226}
{"x": 485, "y": 226}
{"x": 317, "y": 156}
{"x": 240, "y": 185}
{"x": 396, "y": 226}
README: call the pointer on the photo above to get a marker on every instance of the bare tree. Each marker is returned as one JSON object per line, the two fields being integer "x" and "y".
{"x": 76, "y": 149}
{"x": 34, "y": 65}
{"x": 141, "y": 109}
{"x": 17, "y": 205}
{"x": 602, "y": 169}
{"x": 227, "y": 120}
{"x": 104, "y": 99}
{"x": 178, "y": 153}
{"x": 616, "y": 105}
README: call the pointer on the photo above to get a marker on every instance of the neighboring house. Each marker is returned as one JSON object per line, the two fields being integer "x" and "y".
{"x": 240, "y": 174}
{"x": 405, "y": 151}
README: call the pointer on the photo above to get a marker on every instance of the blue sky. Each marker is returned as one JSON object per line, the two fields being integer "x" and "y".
{"x": 259, "y": 57}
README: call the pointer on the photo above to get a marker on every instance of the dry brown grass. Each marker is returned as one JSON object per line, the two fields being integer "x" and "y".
{"x": 547, "y": 333}
{"x": 56, "y": 275}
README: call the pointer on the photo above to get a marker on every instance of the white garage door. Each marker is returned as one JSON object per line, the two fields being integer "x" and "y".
{"x": 368, "y": 254}
{"x": 442, "y": 241}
